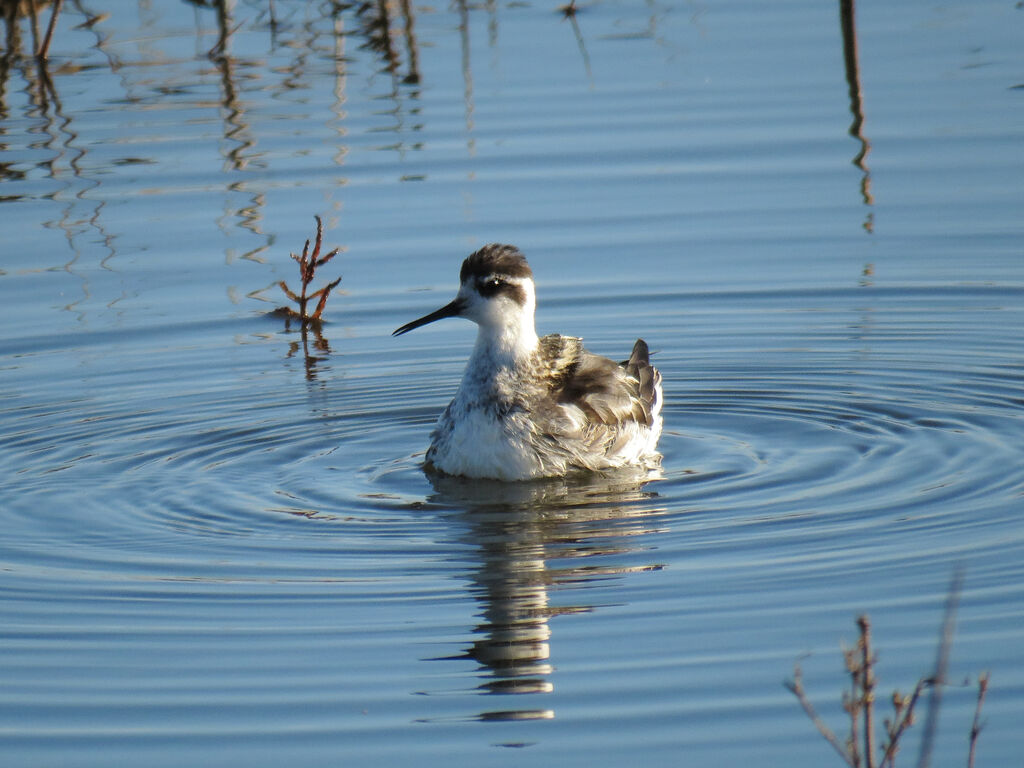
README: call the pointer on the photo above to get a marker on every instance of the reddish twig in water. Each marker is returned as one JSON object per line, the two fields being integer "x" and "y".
{"x": 308, "y": 264}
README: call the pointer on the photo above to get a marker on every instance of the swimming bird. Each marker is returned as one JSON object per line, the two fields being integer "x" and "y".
{"x": 530, "y": 407}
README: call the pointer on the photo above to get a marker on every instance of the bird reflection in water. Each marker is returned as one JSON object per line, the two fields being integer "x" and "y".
{"x": 531, "y": 539}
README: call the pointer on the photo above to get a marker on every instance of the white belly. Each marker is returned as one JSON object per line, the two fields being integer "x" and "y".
{"x": 479, "y": 445}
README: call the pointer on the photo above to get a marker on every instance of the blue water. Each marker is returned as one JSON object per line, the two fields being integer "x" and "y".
{"x": 219, "y": 547}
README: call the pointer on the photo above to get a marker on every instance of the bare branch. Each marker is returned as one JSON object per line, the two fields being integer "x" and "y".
{"x": 308, "y": 264}
{"x": 328, "y": 257}
{"x": 852, "y": 701}
{"x": 797, "y": 688}
{"x": 326, "y": 291}
{"x": 288, "y": 291}
{"x": 901, "y": 724}
{"x": 976, "y": 725}
{"x": 867, "y": 684}
{"x": 319, "y": 237}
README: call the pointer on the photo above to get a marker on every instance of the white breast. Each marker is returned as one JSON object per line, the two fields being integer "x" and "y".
{"x": 479, "y": 445}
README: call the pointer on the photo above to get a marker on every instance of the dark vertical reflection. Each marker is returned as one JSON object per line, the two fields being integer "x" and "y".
{"x": 12, "y": 45}
{"x": 33, "y": 17}
{"x": 412, "y": 51}
{"x": 239, "y": 141}
{"x": 12, "y": 38}
{"x": 158, "y": 81}
{"x": 375, "y": 26}
{"x": 379, "y": 26}
{"x": 93, "y": 24}
{"x": 63, "y": 154}
{"x": 66, "y": 166}
{"x": 237, "y": 134}
{"x": 848, "y": 22}
{"x": 310, "y": 359}
{"x": 467, "y": 71}
{"x": 339, "y": 92}
{"x": 43, "y": 50}
{"x": 531, "y": 540}
{"x": 569, "y": 11}
{"x": 492, "y": 23}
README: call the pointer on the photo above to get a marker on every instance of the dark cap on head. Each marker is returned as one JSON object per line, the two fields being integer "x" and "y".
{"x": 495, "y": 259}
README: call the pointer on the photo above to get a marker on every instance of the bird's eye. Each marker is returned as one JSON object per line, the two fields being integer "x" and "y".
{"x": 490, "y": 286}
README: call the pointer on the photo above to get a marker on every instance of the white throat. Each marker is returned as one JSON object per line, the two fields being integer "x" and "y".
{"x": 509, "y": 341}
{"x": 506, "y": 335}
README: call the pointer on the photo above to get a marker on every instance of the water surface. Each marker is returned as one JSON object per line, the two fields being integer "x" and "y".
{"x": 219, "y": 546}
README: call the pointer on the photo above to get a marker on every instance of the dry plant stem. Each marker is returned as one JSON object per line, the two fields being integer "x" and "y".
{"x": 852, "y": 704}
{"x": 976, "y": 725}
{"x": 797, "y": 687}
{"x": 904, "y": 719}
{"x": 308, "y": 263}
{"x": 859, "y": 701}
{"x": 867, "y": 684}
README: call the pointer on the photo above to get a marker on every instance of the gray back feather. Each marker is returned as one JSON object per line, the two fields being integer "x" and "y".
{"x": 608, "y": 393}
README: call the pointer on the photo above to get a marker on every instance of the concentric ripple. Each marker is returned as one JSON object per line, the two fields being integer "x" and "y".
{"x": 264, "y": 534}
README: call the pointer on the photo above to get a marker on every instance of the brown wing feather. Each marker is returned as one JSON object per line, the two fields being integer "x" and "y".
{"x": 639, "y": 367}
{"x": 607, "y": 392}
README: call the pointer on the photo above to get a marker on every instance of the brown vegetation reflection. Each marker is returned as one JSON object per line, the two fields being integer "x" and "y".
{"x": 80, "y": 216}
{"x": 32, "y": 10}
{"x": 378, "y": 25}
{"x": 849, "y": 26}
{"x": 385, "y": 27}
{"x": 532, "y": 540}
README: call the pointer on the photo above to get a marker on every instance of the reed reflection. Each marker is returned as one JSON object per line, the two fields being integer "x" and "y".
{"x": 310, "y": 358}
{"x": 239, "y": 148}
{"x": 532, "y": 539}
{"x": 63, "y": 153}
{"x": 380, "y": 27}
{"x": 569, "y": 12}
{"x": 12, "y": 10}
{"x": 847, "y": 19}
{"x": 467, "y": 73}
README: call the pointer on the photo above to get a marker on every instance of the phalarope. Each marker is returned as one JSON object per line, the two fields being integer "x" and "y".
{"x": 532, "y": 407}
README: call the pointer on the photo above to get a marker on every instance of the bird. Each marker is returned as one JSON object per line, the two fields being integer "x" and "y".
{"x": 532, "y": 407}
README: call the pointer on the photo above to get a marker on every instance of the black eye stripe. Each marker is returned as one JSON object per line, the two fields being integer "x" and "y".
{"x": 491, "y": 286}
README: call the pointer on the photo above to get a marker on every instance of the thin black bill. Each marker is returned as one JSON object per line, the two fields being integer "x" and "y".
{"x": 448, "y": 310}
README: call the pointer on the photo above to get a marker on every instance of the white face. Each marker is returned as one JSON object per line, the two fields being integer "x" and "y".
{"x": 498, "y": 301}
{"x": 502, "y": 305}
